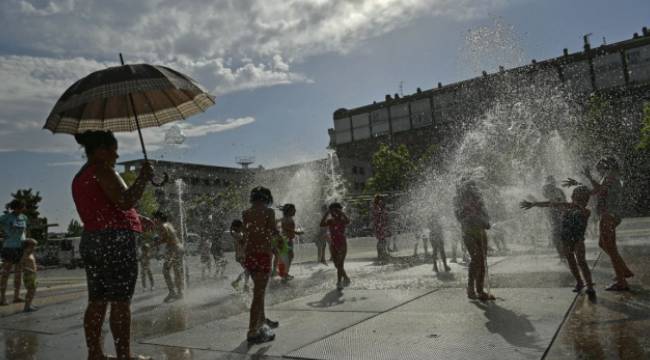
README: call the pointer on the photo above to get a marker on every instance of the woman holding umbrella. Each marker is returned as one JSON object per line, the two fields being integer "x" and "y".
{"x": 120, "y": 98}
{"x": 108, "y": 244}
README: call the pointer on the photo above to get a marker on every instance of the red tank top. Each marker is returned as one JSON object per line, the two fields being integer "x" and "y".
{"x": 96, "y": 210}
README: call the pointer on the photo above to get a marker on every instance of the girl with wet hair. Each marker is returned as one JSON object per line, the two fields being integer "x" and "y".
{"x": 336, "y": 221}
{"x": 609, "y": 207}
{"x": 259, "y": 228}
{"x": 108, "y": 243}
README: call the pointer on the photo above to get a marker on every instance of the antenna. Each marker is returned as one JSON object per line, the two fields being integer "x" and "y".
{"x": 245, "y": 161}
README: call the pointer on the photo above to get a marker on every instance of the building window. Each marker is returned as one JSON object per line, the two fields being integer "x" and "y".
{"x": 362, "y": 170}
{"x": 354, "y": 170}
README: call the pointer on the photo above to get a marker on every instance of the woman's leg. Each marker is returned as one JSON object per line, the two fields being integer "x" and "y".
{"x": 167, "y": 275}
{"x": 93, "y": 320}
{"x": 257, "y": 316}
{"x": 18, "y": 279}
{"x": 120, "y": 322}
{"x": 474, "y": 250}
{"x": 608, "y": 244}
{"x": 4, "y": 279}
{"x": 582, "y": 263}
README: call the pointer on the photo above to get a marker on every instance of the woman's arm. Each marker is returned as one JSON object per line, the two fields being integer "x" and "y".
{"x": 115, "y": 188}
{"x": 530, "y": 204}
{"x": 323, "y": 221}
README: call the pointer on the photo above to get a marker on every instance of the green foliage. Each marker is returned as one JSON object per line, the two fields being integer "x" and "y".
{"x": 644, "y": 143}
{"x": 74, "y": 228}
{"x": 147, "y": 204}
{"x": 392, "y": 169}
{"x": 37, "y": 226}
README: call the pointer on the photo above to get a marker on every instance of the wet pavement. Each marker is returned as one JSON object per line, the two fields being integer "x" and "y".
{"x": 395, "y": 311}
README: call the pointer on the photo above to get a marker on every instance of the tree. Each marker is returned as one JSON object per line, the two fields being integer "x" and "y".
{"x": 392, "y": 169}
{"x": 644, "y": 143}
{"x": 37, "y": 226}
{"x": 74, "y": 229}
{"x": 147, "y": 204}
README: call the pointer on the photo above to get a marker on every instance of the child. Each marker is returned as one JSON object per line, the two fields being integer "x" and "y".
{"x": 321, "y": 244}
{"x": 289, "y": 232}
{"x": 29, "y": 273}
{"x": 609, "y": 192}
{"x": 14, "y": 226}
{"x": 206, "y": 260}
{"x": 236, "y": 228}
{"x": 336, "y": 221}
{"x": 437, "y": 240}
{"x": 474, "y": 221}
{"x": 575, "y": 217}
{"x": 173, "y": 256}
{"x": 554, "y": 194}
{"x": 259, "y": 227}
{"x": 145, "y": 266}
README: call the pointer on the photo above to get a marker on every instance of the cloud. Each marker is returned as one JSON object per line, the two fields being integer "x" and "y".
{"x": 155, "y": 137}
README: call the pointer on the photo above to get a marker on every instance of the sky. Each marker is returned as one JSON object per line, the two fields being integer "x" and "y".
{"x": 279, "y": 68}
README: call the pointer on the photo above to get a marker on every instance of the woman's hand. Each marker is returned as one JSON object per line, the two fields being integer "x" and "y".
{"x": 146, "y": 171}
{"x": 526, "y": 205}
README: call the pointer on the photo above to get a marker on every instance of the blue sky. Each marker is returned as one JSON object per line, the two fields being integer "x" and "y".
{"x": 279, "y": 68}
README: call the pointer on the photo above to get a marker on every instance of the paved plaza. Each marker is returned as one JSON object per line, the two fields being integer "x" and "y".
{"x": 397, "y": 311}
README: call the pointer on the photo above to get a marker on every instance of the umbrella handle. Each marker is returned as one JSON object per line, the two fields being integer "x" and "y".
{"x": 164, "y": 181}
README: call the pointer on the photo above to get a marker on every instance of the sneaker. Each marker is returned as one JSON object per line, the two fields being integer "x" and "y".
{"x": 591, "y": 294}
{"x": 169, "y": 298}
{"x": 272, "y": 324}
{"x": 31, "y": 308}
{"x": 262, "y": 336}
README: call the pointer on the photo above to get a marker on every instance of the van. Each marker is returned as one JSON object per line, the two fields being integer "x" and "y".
{"x": 67, "y": 251}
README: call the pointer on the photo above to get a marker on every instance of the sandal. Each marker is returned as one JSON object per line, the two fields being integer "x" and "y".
{"x": 617, "y": 287}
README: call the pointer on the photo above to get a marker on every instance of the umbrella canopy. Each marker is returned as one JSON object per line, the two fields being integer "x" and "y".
{"x": 126, "y": 98}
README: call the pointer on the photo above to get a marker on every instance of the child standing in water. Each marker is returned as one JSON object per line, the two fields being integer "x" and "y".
{"x": 236, "y": 228}
{"x": 173, "y": 256}
{"x": 609, "y": 193}
{"x": 289, "y": 232}
{"x": 336, "y": 221}
{"x": 575, "y": 217}
{"x": 258, "y": 230}
{"x": 29, "y": 273}
{"x": 437, "y": 240}
{"x": 474, "y": 221}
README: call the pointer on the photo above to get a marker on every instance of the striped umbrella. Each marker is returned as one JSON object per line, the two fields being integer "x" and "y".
{"x": 127, "y": 98}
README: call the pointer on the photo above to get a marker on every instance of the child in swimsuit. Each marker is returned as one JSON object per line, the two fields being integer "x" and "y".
{"x": 238, "y": 238}
{"x": 173, "y": 256}
{"x": 259, "y": 228}
{"x": 29, "y": 273}
{"x": 336, "y": 221}
{"x": 575, "y": 217}
{"x": 609, "y": 192}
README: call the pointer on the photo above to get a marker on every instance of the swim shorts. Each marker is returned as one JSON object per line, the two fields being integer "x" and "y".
{"x": 29, "y": 279}
{"x": 111, "y": 264}
{"x": 11, "y": 255}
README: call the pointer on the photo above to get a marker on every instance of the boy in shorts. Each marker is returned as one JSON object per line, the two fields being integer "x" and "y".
{"x": 29, "y": 273}
{"x": 173, "y": 256}
{"x": 575, "y": 217}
